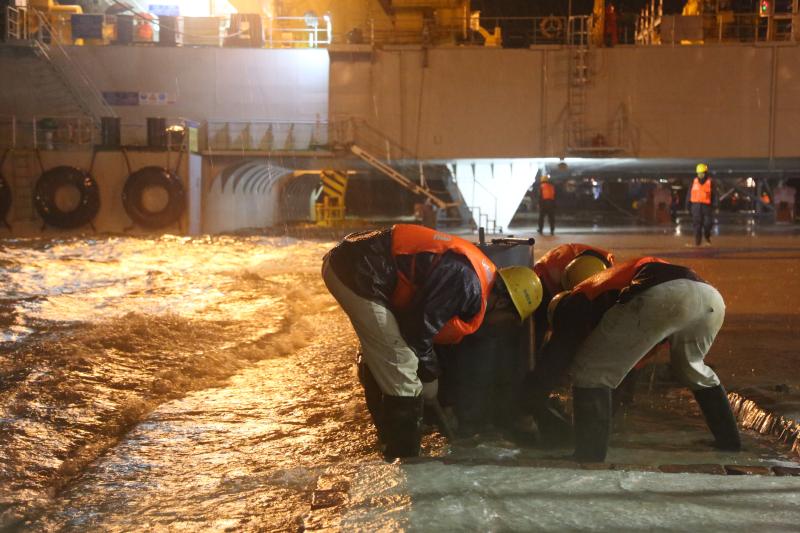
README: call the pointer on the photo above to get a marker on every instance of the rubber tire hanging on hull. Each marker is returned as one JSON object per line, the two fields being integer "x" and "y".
{"x": 5, "y": 199}
{"x": 148, "y": 177}
{"x": 48, "y": 185}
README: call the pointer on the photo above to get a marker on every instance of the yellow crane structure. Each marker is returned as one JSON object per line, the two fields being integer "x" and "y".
{"x": 397, "y": 21}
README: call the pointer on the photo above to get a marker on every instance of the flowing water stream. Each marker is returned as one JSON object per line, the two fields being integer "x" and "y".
{"x": 103, "y": 334}
{"x": 207, "y": 384}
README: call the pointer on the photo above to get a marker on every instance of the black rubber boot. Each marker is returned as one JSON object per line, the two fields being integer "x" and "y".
{"x": 402, "y": 421}
{"x": 716, "y": 408}
{"x": 592, "y": 412}
{"x": 374, "y": 398}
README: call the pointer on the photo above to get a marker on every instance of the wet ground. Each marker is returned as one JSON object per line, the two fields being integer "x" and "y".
{"x": 207, "y": 384}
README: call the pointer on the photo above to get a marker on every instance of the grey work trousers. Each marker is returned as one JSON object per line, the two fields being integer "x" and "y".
{"x": 392, "y": 362}
{"x": 687, "y": 313}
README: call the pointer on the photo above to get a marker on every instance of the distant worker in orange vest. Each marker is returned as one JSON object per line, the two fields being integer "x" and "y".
{"x": 610, "y": 25}
{"x": 547, "y": 203}
{"x": 405, "y": 289}
{"x": 701, "y": 201}
{"x": 562, "y": 268}
{"x": 608, "y": 323}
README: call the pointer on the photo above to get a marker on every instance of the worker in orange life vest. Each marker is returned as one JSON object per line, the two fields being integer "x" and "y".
{"x": 405, "y": 289}
{"x": 561, "y": 268}
{"x": 701, "y": 201}
{"x": 609, "y": 322}
{"x": 547, "y": 203}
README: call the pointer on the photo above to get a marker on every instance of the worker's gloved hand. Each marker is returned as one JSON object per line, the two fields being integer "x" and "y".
{"x": 430, "y": 391}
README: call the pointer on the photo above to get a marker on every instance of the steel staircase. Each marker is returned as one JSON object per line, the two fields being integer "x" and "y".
{"x": 432, "y": 182}
{"x": 397, "y": 177}
{"x": 68, "y": 73}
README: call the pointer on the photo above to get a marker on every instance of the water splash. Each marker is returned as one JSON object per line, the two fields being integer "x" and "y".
{"x": 751, "y": 416}
{"x": 98, "y": 332}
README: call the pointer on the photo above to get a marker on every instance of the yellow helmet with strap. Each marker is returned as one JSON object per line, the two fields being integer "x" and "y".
{"x": 581, "y": 268}
{"x": 524, "y": 287}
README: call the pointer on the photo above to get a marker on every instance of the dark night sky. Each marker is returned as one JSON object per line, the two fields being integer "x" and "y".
{"x": 534, "y": 8}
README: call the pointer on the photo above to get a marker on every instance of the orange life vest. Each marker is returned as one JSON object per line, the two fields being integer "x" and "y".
{"x": 550, "y": 267}
{"x": 701, "y": 193}
{"x": 409, "y": 239}
{"x": 615, "y": 278}
{"x": 547, "y": 191}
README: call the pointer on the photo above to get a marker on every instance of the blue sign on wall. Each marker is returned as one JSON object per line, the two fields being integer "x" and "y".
{"x": 121, "y": 97}
{"x": 163, "y": 10}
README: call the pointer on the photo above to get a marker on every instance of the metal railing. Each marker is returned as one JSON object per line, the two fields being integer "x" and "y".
{"x": 62, "y": 133}
{"x": 47, "y": 133}
{"x": 16, "y": 20}
{"x": 294, "y": 32}
{"x": 354, "y": 130}
{"x": 350, "y": 131}
{"x": 516, "y": 32}
{"x": 722, "y": 28}
{"x": 266, "y": 136}
{"x": 135, "y": 133}
{"x": 280, "y": 32}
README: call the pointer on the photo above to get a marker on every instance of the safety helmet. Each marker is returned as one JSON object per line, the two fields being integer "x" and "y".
{"x": 701, "y": 168}
{"x": 551, "y": 307}
{"x": 544, "y": 178}
{"x": 580, "y": 268}
{"x": 524, "y": 287}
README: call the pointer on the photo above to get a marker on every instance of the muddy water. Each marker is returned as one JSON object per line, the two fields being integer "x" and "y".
{"x": 207, "y": 385}
{"x": 99, "y": 333}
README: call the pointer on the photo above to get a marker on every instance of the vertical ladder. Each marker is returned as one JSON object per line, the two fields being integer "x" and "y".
{"x": 578, "y": 73}
{"x": 22, "y": 181}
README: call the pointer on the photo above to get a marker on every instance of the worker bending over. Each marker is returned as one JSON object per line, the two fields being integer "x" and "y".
{"x": 560, "y": 269}
{"x": 404, "y": 289}
{"x": 607, "y": 323}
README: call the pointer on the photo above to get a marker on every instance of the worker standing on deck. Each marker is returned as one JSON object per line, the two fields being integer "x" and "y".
{"x": 404, "y": 289}
{"x": 561, "y": 268}
{"x": 607, "y": 323}
{"x": 701, "y": 201}
{"x": 547, "y": 203}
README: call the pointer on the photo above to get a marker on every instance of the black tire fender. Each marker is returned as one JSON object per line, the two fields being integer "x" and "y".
{"x": 48, "y": 185}
{"x": 148, "y": 177}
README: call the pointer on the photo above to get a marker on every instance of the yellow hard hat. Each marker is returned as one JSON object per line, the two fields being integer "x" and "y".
{"x": 701, "y": 167}
{"x": 524, "y": 288}
{"x": 551, "y": 307}
{"x": 581, "y": 268}
{"x": 545, "y": 177}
